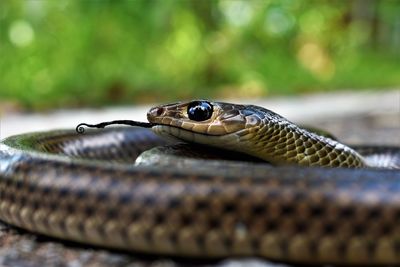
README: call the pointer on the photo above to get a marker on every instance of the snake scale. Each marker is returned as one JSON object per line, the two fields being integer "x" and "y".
{"x": 318, "y": 201}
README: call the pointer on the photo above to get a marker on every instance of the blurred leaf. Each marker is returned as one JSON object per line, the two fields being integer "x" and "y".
{"x": 103, "y": 52}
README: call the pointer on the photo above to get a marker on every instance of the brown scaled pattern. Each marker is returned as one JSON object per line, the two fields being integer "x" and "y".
{"x": 258, "y": 132}
{"x": 284, "y": 213}
{"x": 273, "y": 138}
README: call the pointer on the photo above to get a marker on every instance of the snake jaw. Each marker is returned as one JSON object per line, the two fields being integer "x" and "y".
{"x": 230, "y": 141}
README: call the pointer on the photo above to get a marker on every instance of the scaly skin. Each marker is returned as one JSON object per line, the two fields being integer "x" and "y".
{"x": 85, "y": 188}
{"x": 256, "y": 131}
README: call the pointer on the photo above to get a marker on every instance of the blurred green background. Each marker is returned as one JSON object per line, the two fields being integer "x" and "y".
{"x": 92, "y": 53}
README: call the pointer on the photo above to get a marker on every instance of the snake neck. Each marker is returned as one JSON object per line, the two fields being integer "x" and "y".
{"x": 283, "y": 142}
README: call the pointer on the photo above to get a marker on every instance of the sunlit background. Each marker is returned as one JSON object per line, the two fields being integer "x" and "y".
{"x": 94, "y": 53}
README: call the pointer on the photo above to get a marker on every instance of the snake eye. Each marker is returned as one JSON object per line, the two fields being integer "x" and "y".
{"x": 199, "y": 110}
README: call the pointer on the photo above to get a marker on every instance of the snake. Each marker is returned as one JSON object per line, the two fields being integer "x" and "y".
{"x": 279, "y": 191}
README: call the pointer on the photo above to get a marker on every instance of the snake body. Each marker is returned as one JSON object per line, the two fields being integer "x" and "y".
{"x": 256, "y": 131}
{"x": 86, "y": 188}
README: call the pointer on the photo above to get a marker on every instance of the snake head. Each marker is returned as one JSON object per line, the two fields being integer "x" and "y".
{"x": 204, "y": 122}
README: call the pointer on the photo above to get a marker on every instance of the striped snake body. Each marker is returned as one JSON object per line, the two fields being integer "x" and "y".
{"x": 86, "y": 188}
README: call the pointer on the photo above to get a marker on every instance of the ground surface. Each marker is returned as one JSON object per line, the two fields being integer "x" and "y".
{"x": 368, "y": 117}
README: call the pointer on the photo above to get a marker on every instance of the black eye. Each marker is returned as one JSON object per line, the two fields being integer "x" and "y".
{"x": 199, "y": 110}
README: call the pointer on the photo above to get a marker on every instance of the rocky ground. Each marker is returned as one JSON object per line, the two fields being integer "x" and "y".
{"x": 356, "y": 118}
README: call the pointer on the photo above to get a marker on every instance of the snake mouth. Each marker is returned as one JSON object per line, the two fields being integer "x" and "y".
{"x": 177, "y": 132}
{"x": 174, "y": 127}
{"x": 182, "y": 134}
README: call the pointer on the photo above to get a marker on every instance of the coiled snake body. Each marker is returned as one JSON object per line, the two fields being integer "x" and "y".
{"x": 86, "y": 188}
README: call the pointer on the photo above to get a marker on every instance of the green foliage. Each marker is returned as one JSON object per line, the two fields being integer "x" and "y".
{"x": 76, "y": 53}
